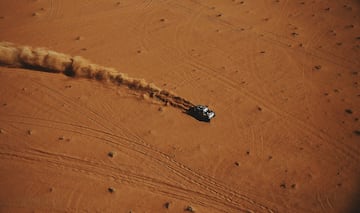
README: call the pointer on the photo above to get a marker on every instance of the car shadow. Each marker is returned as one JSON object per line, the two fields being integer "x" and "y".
{"x": 195, "y": 116}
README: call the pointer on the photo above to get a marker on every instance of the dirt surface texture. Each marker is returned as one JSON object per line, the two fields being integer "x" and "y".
{"x": 93, "y": 100}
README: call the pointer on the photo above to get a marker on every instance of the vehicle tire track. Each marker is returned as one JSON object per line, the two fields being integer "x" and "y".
{"x": 302, "y": 125}
{"x": 205, "y": 184}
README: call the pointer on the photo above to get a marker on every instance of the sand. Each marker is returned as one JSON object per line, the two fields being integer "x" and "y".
{"x": 282, "y": 76}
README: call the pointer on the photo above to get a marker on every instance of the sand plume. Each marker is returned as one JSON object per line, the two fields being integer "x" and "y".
{"x": 43, "y": 59}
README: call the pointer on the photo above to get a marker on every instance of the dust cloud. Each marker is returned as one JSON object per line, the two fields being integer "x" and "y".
{"x": 42, "y": 59}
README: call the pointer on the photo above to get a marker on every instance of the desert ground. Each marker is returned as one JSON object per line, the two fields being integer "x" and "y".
{"x": 282, "y": 76}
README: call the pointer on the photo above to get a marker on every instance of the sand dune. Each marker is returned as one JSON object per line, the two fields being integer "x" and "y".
{"x": 50, "y": 61}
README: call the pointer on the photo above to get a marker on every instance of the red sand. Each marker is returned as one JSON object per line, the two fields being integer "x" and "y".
{"x": 282, "y": 76}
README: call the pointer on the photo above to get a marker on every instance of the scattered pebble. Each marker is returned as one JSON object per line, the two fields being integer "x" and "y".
{"x": 61, "y": 138}
{"x": 262, "y": 52}
{"x": 293, "y": 186}
{"x": 167, "y": 205}
{"x": 283, "y": 185}
{"x": 248, "y": 152}
{"x": 317, "y": 67}
{"x": 259, "y": 108}
{"x": 111, "y": 154}
{"x": 78, "y": 38}
{"x": 357, "y": 132}
{"x": 35, "y": 14}
{"x": 111, "y": 190}
{"x": 237, "y": 163}
{"x": 30, "y": 132}
{"x": 189, "y": 209}
{"x": 349, "y": 111}
{"x": 2, "y": 131}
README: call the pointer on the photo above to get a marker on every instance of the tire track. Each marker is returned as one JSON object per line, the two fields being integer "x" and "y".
{"x": 301, "y": 125}
{"x": 204, "y": 184}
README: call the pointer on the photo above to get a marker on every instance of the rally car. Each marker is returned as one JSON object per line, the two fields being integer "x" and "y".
{"x": 201, "y": 113}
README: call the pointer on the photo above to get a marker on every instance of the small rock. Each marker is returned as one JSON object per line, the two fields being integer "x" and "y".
{"x": 189, "y": 209}
{"x": 357, "y": 132}
{"x": 283, "y": 185}
{"x": 2, "y": 131}
{"x": 167, "y": 205}
{"x": 30, "y": 132}
{"x": 349, "y": 111}
{"x": 318, "y": 67}
{"x": 111, "y": 154}
{"x": 111, "y": 190}
{"x": 61, "y": 138}
{"x": 79, "y": 38}
{"x": 237, "y": 163}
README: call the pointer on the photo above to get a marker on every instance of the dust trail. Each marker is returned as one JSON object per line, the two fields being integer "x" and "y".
{"x": 46, "y": 60}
